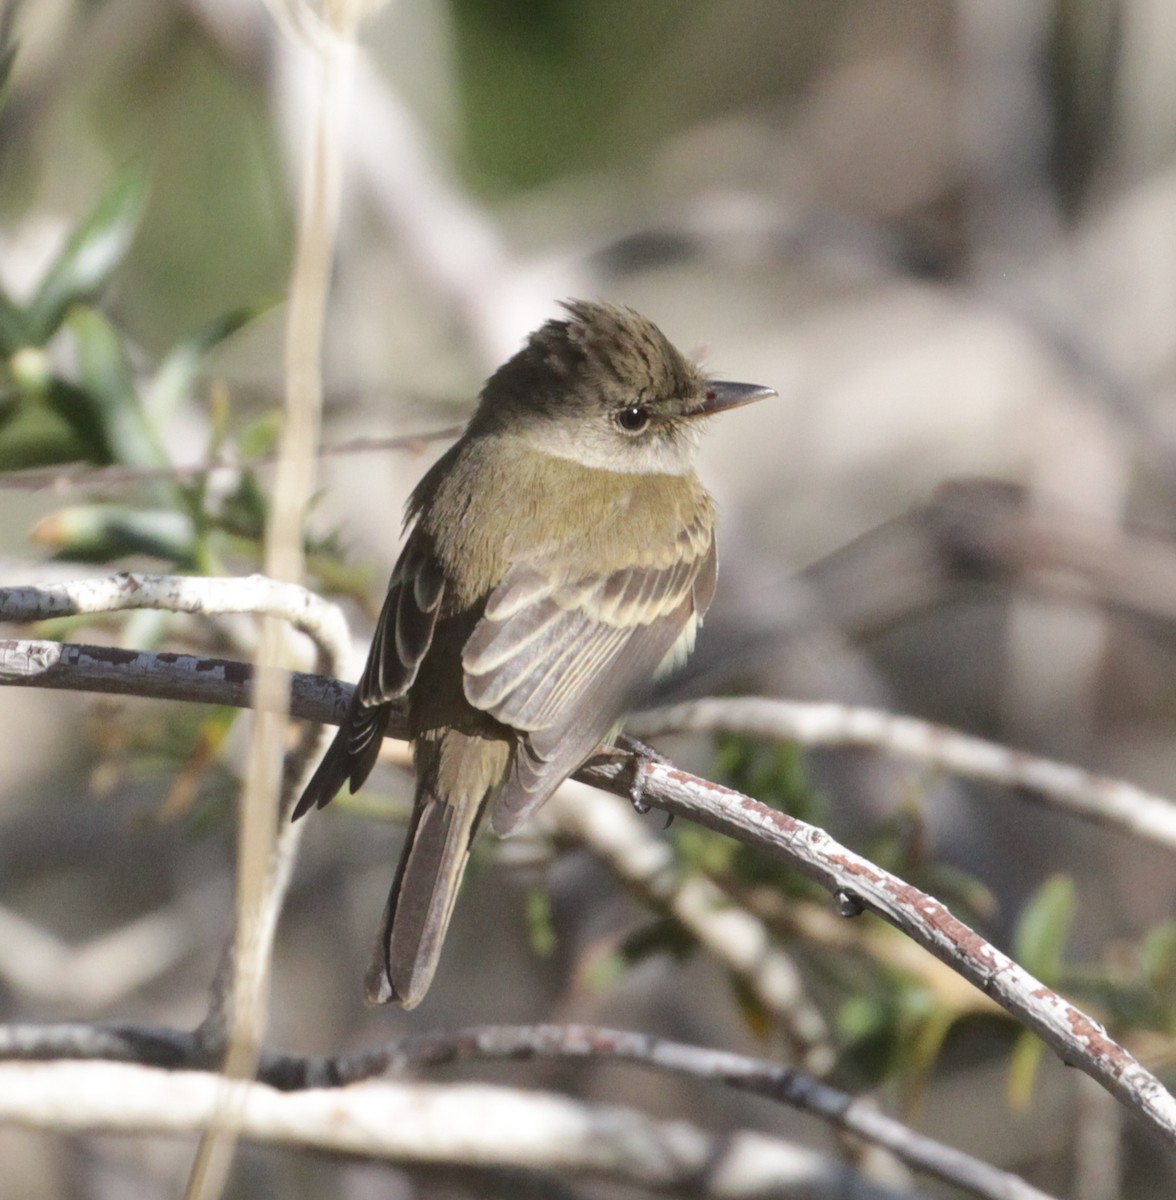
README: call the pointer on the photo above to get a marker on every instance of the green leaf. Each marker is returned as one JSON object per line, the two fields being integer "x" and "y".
{"x": 78, "y": 409}
{"x": 243, "y": 512}
{"x": 33, "y": 435}
{"x": 664, "y": 935}
{"x": 262, "y": 436}
{"x": 107, "y": 376}
{"x": 91, "y": 254}
{"x": 1027, "y": 1055}
{"x": 1158, "y": 958}
{"x": 101, "y": 532}
{"x": 1043, "y": 927}
{"x": 14, "y": 329}
{"x": 540, "y": 925}
{"x": 871, "y": 1035}
{"x": 176, "y": 374}
{"x": 7, "y": 58}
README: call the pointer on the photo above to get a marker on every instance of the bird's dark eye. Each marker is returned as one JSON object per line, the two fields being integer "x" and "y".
{"x": 632, "y": 419}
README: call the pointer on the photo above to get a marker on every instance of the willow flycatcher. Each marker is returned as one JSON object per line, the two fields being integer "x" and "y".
{"x": 560, "y": 556}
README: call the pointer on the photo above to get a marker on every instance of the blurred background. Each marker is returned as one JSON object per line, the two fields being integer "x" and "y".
{"x": 944, "y": 232}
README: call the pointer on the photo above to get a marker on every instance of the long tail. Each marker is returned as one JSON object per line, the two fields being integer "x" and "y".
{"x": 455, "y": 774}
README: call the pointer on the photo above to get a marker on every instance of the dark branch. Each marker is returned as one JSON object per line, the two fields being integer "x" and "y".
{"x": 174, "y": 1050}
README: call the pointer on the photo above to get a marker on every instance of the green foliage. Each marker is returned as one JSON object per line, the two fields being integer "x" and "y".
{"x": 775, "y": 774}
{"x": 71, "y": 391}
{"x": 893, "y": 1034}
{"x": 1158, "y": 963}
{"x": 1038, "y": 943}
{"x": 7, "y": 58}
{"x": 662, "y": 936}
{"x": 540, "y": 926}
{"x": 178, "y": 372}
{"x": 89, "y": 257}
{"x": 1043, "y": 927}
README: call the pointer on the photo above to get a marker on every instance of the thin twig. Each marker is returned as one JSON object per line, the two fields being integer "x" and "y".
{"x": 840, "y": 1110}
{"x": 264, "y": 860}
{"x": 1098, "y": 798}
{"x": 320, "y": 620}
{"x": 859, "y": 885}
{"x": 438, "y": 1125}
{"x": 74, "y": 477}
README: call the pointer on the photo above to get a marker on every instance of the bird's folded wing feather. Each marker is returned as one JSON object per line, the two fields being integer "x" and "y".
{"x": 406, "y": 624}
{"x": 558, "y": 659}
{"x": 403, "y": 635}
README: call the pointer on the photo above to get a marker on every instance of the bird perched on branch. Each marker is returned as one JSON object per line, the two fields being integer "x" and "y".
{"x": 559, "y": 557}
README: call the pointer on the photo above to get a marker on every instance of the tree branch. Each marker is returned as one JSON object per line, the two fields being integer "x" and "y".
{"x": 1100, "y": 799}
{"x": 436, "y": 1125}
{"x": 841, "y": 1111}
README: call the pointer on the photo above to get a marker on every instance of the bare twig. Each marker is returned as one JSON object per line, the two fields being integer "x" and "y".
{"x": 1098, "y": 798}
{"x": 796, "y": 1089}
{"x": 74, "y": 476}
{"x": 320, "y": 620}
{"x": 437, "y": 1124}
{"x": 265, "y": 858}
{"x": 847, "y": 1114}
{"x": 163, "y": 676}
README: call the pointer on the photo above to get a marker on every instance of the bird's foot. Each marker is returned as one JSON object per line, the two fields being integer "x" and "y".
{"x": 639, "y": 756}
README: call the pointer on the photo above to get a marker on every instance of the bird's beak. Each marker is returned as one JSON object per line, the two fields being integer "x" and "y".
{"x": 722, "y": 395}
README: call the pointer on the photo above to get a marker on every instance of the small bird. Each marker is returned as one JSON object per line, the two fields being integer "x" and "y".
{"x": 559, "y": 557}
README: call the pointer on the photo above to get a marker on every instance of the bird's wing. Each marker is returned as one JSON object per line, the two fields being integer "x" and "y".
{"x": 558, "y": 660}
{"x": 402, "y": 638}
{"x": 407, "y": 620}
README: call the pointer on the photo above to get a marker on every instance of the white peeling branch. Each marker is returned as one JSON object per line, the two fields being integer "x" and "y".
{"x": 1112, "y": 803}
{"x": 793, "y": 1088}
{"x": 257, "y": 595}
{"x": 514, "y": 1043}
{"x": 469, "y": 1125}
{"x": 100, "y": 971}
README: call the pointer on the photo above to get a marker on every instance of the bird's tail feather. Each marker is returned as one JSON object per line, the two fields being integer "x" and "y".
{"x": 454, "y": 777}
{"x": 350, "y": 757}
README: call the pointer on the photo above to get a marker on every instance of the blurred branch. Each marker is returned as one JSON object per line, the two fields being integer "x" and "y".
{"x": 98, "y": 972}
{"x": 976, "y": 531}
{"x": 450, "y": 241}
{"x": 436, "y": 1125}
{"x": 74, "y": 476}
{"x": 1112, "y": 803}
{"x": 731, "y": 933}
{"x": 288, "y": 1073}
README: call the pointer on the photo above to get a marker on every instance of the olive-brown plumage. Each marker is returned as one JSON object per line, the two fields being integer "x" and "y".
{"x": 560, "y": 555}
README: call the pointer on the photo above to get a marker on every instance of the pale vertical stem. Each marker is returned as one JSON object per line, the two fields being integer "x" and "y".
{"x": 259, "y": 871}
